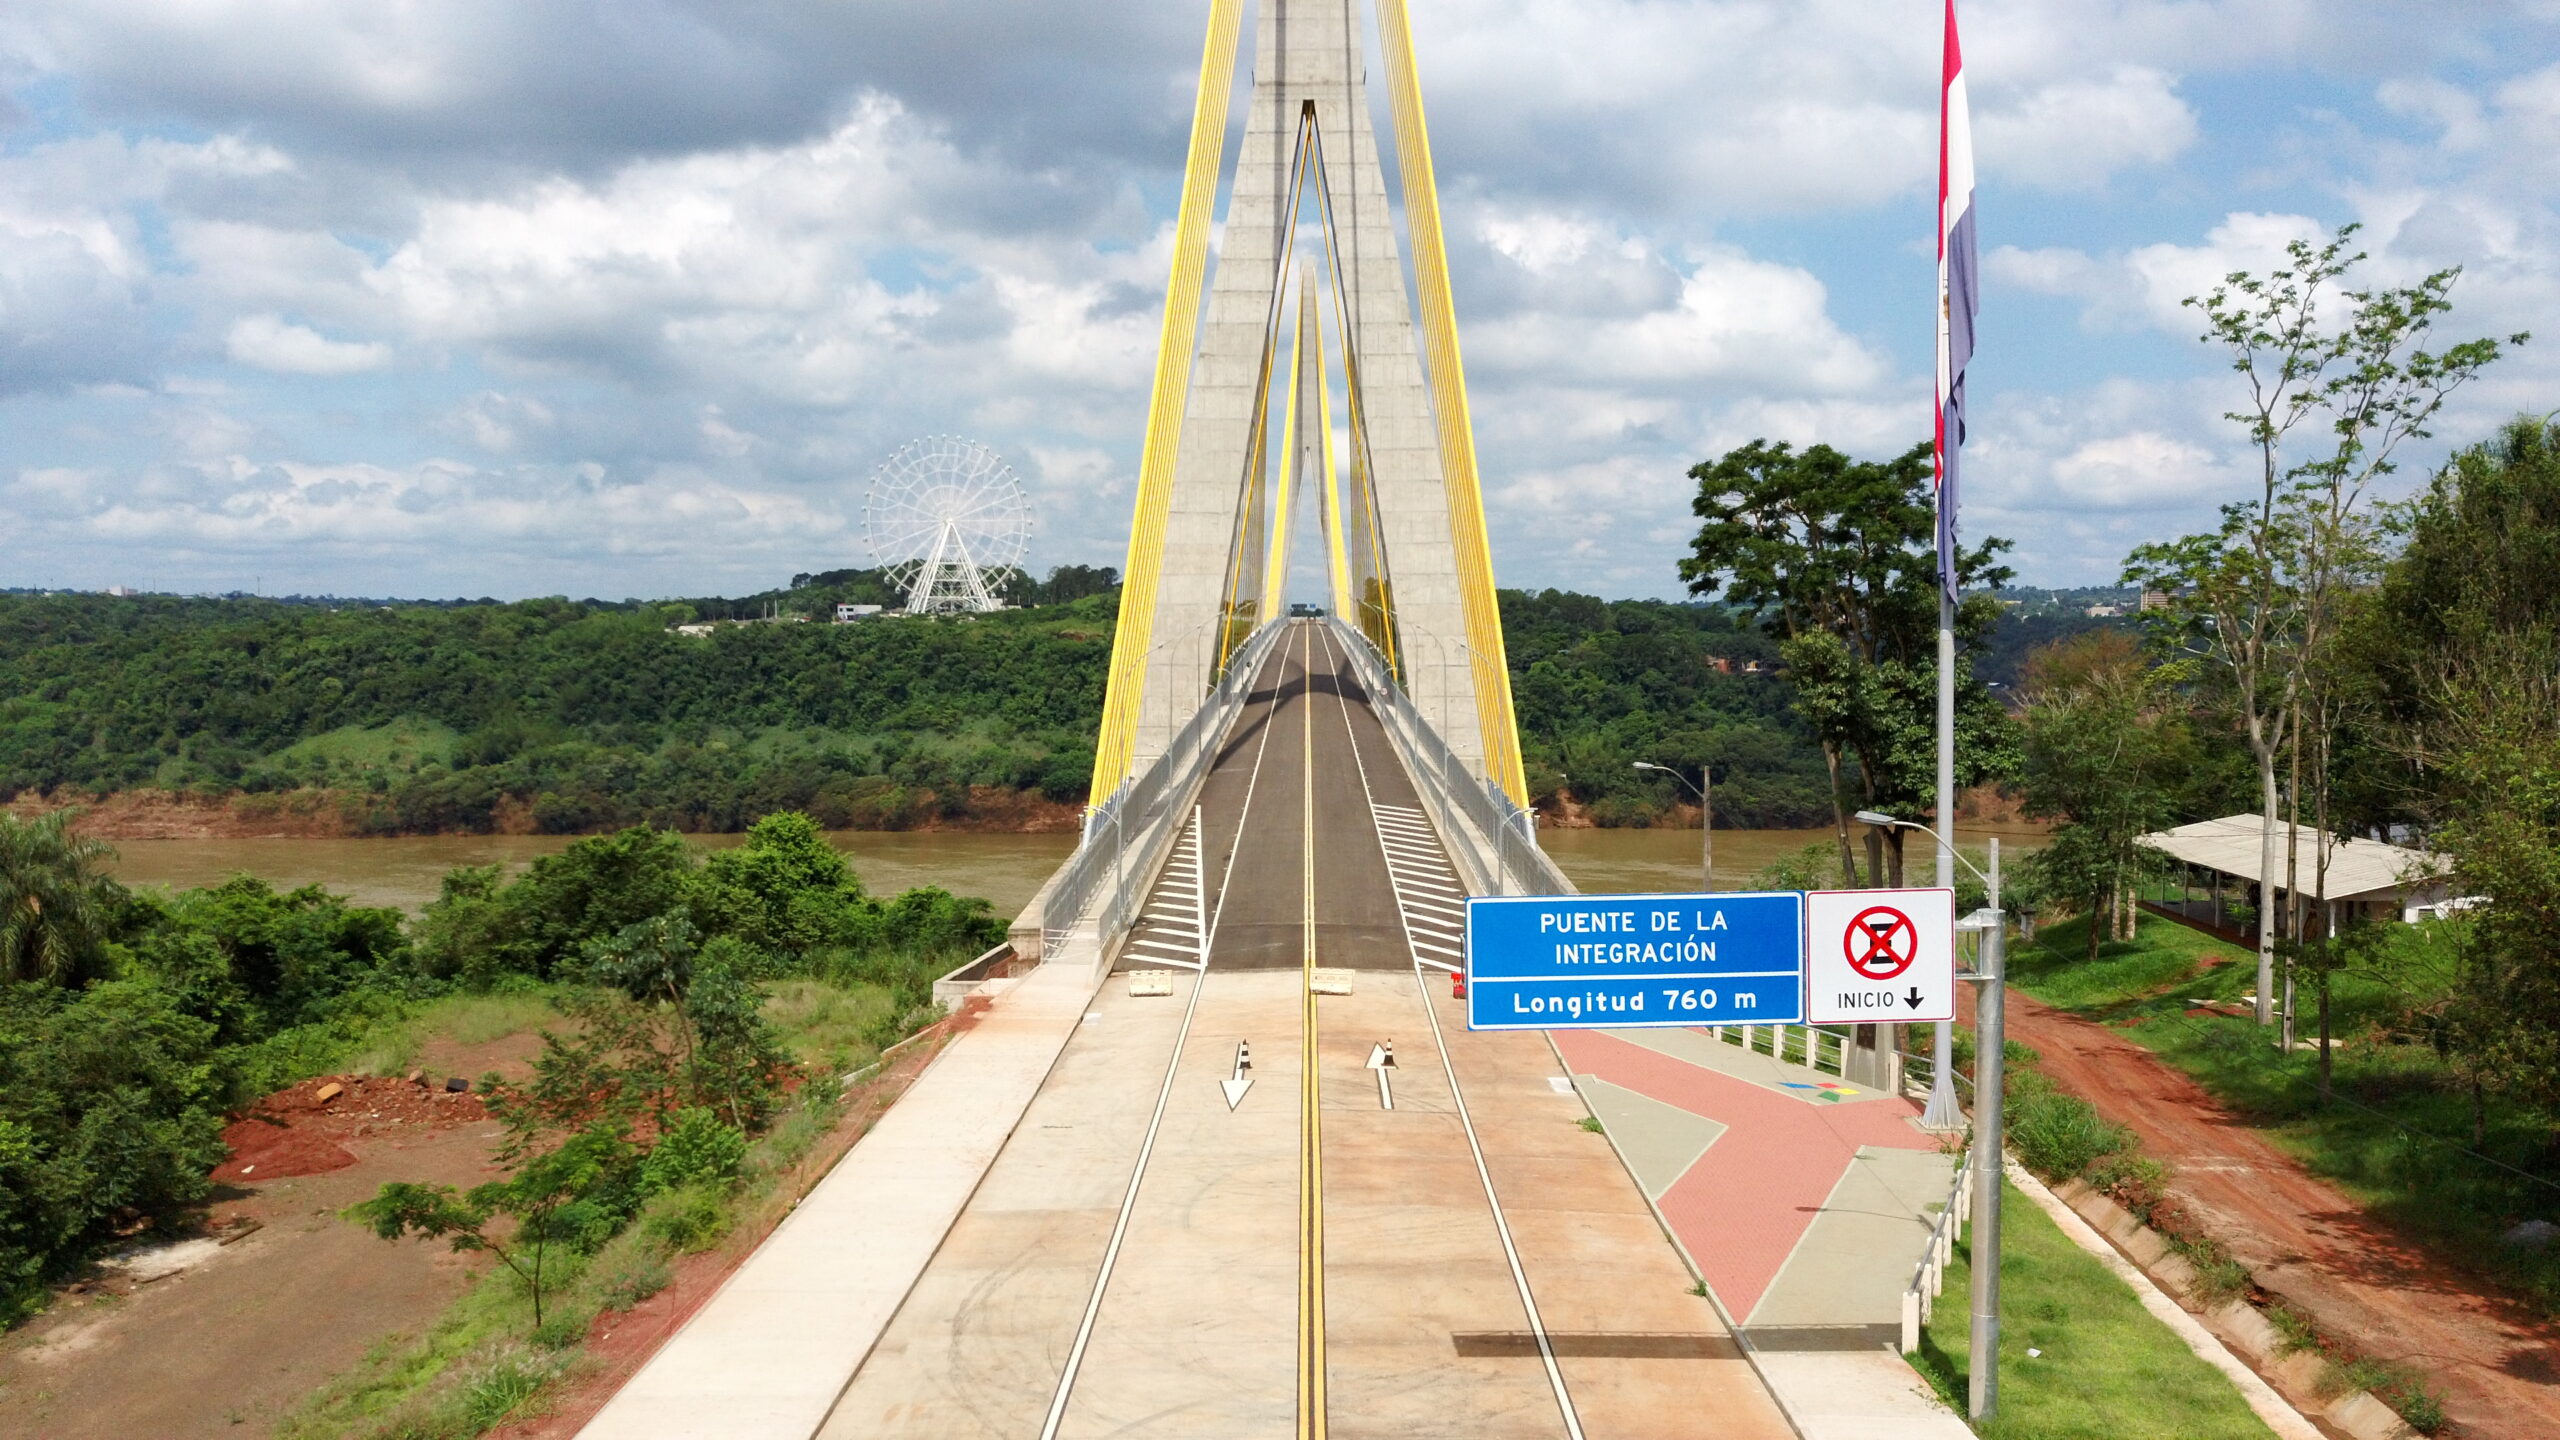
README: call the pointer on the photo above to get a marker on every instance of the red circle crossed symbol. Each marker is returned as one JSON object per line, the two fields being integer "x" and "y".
{"x": 1881, "y": 942}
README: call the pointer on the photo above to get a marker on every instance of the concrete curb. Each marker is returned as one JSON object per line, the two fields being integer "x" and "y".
{"x": 2298, "y": 1376}
{"x": 767, "y": 1356}
{"x": 2279, "y": 1414}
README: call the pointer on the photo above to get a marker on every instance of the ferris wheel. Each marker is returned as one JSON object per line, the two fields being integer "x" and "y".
{"x": 946, "y": 518}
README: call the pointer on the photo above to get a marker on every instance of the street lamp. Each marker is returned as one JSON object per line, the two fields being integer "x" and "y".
{"x": 1706, "y": 814}
{"x": 1990, "y": 967}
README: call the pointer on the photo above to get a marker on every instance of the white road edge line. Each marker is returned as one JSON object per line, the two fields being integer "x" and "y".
{"x": 1164, "y": 1094}
{"x": 1501, "y": 1226}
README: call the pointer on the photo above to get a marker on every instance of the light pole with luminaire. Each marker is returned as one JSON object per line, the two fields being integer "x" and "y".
{"x": 1990, "y": 966}
{"x": 1705, "y": 791}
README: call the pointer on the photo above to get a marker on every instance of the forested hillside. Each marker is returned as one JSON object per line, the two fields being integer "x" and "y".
{"x": 593, "y": 716}
{"x": 569, "y": 716}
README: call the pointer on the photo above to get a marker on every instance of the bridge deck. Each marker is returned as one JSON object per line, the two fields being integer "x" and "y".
{"x": 1142, "y": 1260}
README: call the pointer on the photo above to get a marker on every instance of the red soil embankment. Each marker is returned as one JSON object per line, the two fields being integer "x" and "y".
{"x": 2496, "y": 1362}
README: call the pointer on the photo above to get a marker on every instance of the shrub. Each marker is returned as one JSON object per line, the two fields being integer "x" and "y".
{"x": 2059, "y": 1136}
{"x": 698, "y": 1149}
{"x": 687, "y": 1220}
{"x": 645, "y": 1276}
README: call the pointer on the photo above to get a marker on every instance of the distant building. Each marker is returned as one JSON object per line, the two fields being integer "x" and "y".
{"x": 2105, "y": 612}
{"x": 698, "y": 628}
{"x": 2155, "y": 600}
{"x": 847, "y": 613}
{"x": 2212, "y": 880}
{"x": 1724, "y": 666}
{"x": 122, "y": 590}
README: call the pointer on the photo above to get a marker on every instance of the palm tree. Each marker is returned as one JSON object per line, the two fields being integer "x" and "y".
{"x": 52, "y": 886}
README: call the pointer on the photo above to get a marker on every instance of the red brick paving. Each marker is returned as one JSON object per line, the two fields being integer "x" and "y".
{"x": 1747, "y": 1202}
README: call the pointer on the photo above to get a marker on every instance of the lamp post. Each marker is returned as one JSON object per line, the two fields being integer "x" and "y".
{"x": 1990, "y": 971}
{"x": 1705, "y": 791}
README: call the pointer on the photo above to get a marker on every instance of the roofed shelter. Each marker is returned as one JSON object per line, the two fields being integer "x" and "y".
{"x": 2214, "y": 884}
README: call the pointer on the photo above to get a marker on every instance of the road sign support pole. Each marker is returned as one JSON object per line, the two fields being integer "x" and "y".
{"x": 1983, "y": 1364}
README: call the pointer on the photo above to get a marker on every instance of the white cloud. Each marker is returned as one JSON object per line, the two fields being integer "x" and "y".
{"x": 268, "y": 342}
{"x": 2076, "y": 134}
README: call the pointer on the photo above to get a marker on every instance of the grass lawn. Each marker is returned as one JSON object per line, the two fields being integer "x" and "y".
{"x": 2107, "y": 1369}
{"x": 2397, "y": 1137}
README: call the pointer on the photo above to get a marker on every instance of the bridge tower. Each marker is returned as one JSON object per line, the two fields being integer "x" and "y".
{"x": 1239, "y": 417}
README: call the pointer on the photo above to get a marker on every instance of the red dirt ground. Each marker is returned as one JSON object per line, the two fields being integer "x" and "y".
{"x": 227, "y": 1346}
{"x": 295, "y": 1132}
{"x": 2497, "y": 1364}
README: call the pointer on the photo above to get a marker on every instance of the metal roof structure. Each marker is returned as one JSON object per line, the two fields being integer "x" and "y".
{"x": 2357, "y": 867}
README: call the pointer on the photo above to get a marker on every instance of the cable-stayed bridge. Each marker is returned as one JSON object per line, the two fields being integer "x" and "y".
{"x": 1226, "y": 1162}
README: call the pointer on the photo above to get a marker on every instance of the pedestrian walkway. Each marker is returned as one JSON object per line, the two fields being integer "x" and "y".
{"x": 1803, "y": 1199}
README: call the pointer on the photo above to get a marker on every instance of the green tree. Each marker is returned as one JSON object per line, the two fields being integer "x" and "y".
{"x": 573, "y": 1197}
{"x": 2461, "y": 646}
{"x": 598, "y": 887}
{"x": 786, "y": 889}
{"x": 2103, "y": 741}
{"x": 1837, "y": 558}
{"x": 110, "y": 1118}
{"x": 2261, "y": 596}
{"x": 53, "y": 900}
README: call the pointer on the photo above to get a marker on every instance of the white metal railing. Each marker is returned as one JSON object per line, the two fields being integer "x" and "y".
{"x": 1806, "y": 1045}
{"x": 1497, "y": 839}
{"x": 1112, "y": 861}
{"x": 1920, "y": 1298}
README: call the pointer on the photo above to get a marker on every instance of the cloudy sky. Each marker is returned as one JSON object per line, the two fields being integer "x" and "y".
{"x": 628, "y": 297}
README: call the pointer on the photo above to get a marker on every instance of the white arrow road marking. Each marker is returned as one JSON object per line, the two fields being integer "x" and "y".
{"x": 1237, "y": 1083}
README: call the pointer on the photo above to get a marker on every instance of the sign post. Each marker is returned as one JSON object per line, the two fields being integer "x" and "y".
{"x": 1555, "y": 962}
{"x": 1880, "y": 956}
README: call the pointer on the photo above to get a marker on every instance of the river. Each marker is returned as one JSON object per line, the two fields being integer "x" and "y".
{"x": 404, "y": 871}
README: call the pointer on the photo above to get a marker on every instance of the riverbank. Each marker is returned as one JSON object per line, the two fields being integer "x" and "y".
{"x": 334, "y": 814}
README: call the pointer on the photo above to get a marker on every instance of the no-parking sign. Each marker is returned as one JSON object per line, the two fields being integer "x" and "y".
{"x": 1879, "y": 956}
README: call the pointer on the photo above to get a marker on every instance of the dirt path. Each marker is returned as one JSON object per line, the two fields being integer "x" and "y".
{"x": 2497, "y": 1365}
{"x": 227, "y": 1346}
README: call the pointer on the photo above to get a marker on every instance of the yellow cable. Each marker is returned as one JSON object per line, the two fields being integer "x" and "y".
{"x": 1275, "y": 575}
{"x": 1447, "y": 380}
{"x": 1117, "y": 744}
{"x": 1311, "y": 319}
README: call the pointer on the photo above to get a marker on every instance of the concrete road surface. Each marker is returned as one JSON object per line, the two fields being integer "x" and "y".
{"x": 1445, "y": 1254}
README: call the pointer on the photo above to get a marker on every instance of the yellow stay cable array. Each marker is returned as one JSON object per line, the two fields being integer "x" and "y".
{"x": 1449, "y": 402}
{"x": 1275, "y": 575}
{"x": 1118, "y": 741}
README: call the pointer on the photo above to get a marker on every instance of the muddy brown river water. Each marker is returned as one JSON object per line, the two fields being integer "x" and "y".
{"x": 1006, "y": 869}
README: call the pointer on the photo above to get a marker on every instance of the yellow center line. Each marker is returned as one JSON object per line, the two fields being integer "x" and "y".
{"x": 1311, "y": 1402}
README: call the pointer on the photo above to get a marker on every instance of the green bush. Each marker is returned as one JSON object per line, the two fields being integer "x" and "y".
{"x": 687, "y": 1220}
{"x": 2058, "y": 1136}
{"x": 697, "y": 1149}
{"x": 110, "y": 1116}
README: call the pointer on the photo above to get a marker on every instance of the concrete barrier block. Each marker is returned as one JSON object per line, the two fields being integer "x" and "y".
{"x": 2248, "y": 1331}
{"x": 2361, "y": 1415}
{"x": 2145, "y": 1246}
{"x": 2298, "y": 1376}
{"x": 2176, "y": 1276}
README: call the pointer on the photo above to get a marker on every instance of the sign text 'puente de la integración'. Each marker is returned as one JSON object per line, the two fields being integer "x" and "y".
{"x": 1211, "y": 1151}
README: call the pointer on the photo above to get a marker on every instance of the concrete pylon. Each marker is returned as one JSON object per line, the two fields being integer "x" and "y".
{"x": 1308, "y": 178}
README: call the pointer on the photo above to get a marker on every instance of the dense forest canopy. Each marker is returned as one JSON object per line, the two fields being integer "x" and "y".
{"x": 577, "y": 716}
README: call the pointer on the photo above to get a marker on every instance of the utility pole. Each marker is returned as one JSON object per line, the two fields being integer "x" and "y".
{"x": 1983, "y": 1366}
{"x": 1707, "y": 823}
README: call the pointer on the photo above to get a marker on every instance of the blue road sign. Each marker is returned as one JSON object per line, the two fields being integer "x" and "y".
{"x": 1554, "y": 962}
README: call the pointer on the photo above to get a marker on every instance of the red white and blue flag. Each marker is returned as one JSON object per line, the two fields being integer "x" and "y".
{"x": 1957, "y": 298}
